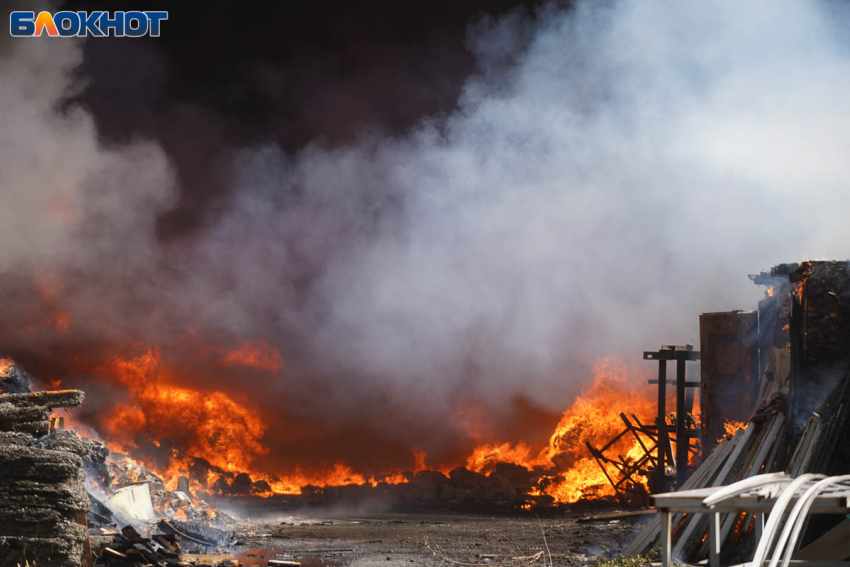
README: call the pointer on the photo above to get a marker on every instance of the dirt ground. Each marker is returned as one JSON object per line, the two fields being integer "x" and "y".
{"x": 431, "y": 540}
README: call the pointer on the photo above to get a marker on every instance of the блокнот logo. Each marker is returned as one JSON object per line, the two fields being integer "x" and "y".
{"x": 83, "y": 24}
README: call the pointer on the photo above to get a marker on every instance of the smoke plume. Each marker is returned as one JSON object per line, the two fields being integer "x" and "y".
{"x": 609, "y": 172}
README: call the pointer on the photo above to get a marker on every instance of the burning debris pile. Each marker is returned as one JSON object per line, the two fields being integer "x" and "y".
{"x": 128, "y": 494}
{"x": 43, "y": 501}
{"x": 799, "y": 418}
{"x": 496, "y": 475}
{"x": 63, "y": 496}
{"x": 181, "y": 504}
{"x": 507, "y": 486}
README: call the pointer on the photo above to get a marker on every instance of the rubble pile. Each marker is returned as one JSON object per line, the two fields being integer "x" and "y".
{"x": 130, "y": 548}
{"x": 507, "y": 486}
{"x": 43, "y": 500}
{"x": 181, "y": 504}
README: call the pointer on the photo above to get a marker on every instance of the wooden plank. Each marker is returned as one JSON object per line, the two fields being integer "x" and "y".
{"x": 87, "y": 559}
{"x": 740, "y": 438}
{"x": 596, "y": 456}
{"x": 802, "y": 447}
{"x": 811, "y": 454}
{"x": 688, "y": 544}
{"x": 767, "y": 442}
{"x": 647, "y": 537}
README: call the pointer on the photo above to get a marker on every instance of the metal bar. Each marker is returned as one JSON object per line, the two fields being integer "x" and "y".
{"x": 627, "y": 471}
{"x": 682, "y": 437}
{"x": 661, "y": 422}
{"x": 594, "y": 452}
{"x": 689, "y": 383}
{"x": 612, "y": 441}
{"x": 637, "y": 437}
{"x": 663, "y": 354}
{"x": 670, "y": 453}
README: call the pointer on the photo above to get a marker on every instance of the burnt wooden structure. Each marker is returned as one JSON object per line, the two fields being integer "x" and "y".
{"x": 729, "y": 370}
{"x": 800, "y": 419}
{"x": 684, "y": 427}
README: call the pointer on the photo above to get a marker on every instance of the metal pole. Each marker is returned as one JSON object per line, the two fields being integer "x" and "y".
{"x": 682, "y": 441}
{"x": 661, "y": 422}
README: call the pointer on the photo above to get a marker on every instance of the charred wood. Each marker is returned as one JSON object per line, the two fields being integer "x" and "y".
{"x": 52, "y": 399}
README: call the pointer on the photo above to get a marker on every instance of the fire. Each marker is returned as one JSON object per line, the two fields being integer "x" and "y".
{"x": 217, "y": 440}
{"x": 732, "y": 427}
{"x": 484, "y": 457}
{"x": 259, "y": 355}
{"x": 801, "y": 285}
{"x": 594, "y": 418}
{"x": 798, "y": 290}
{"x": 225, "y": 432}
{"x": 6, "y": 365}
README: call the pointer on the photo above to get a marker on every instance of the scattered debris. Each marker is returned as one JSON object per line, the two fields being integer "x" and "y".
{"x": 130, "y": 548}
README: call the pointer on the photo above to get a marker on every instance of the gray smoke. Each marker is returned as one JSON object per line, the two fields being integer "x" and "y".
{"x": 612, "y": 172}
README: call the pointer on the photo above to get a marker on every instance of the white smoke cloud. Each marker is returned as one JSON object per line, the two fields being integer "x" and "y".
{"x": 624, "y": 174}
{"x": 67, "y": 202}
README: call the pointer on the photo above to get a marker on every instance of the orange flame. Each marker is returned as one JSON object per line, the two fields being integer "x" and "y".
{"x": 484, "y": 457}
{"x": 259, "y": 355}
{"x": 223, "y": 431}
{"x": 801, "y": 285}
{"x": 732, "y": 427}
{"x": 594, "y": 418}
{"x": 229, "y": 434}
{"x": 6, "y": 365}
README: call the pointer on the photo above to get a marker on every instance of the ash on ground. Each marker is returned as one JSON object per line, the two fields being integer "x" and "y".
{"x": 431, "y": 540}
